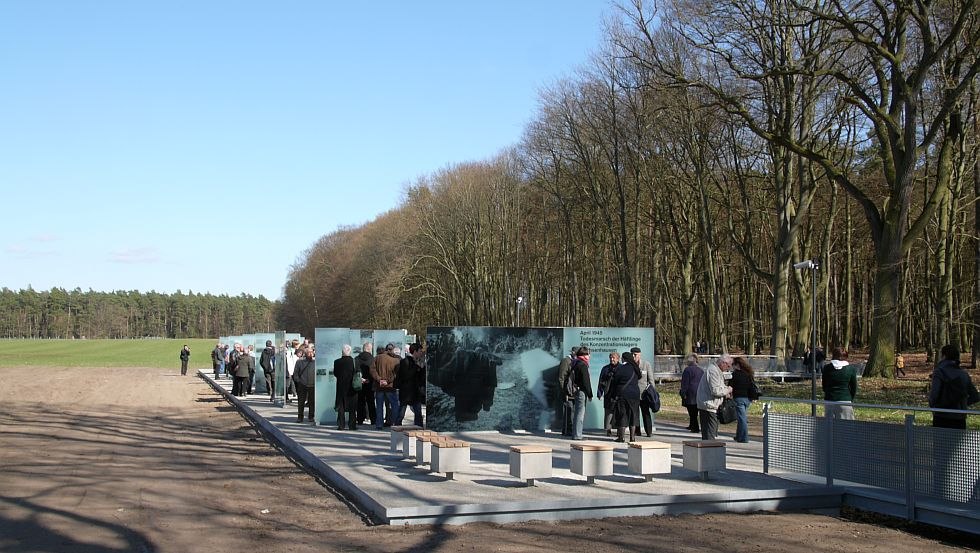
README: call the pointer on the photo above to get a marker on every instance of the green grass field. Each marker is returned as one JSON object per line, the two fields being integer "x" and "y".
{"x": 153, "y": 353}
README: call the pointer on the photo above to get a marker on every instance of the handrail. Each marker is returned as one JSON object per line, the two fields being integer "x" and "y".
{"x": 868, "y": 405}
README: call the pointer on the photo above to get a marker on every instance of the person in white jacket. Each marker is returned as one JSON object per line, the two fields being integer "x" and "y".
{"x": 711, "y": 391}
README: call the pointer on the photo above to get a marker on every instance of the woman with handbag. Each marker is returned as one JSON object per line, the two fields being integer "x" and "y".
{"x": 743, "y": 390}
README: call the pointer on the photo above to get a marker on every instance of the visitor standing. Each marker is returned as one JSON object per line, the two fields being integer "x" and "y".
{"x": 566, "y": 404}
{"x": 602, "y": 392}
{"x": 411, "y": 385}
{"x": 384, "y": 372}
{"x": 626, "y": 397}
{"x": 267, "y": 360}
{"x": 291, "y": 359}
{"x": 951, "y": 389}
{"x": 217, "y": 360}
{"x": 690, "y": 380}
{"x": 579, "y": 372}
{"x": 645, "y": 380}
{"x": 744, "y": 392}
{"x": 365, "y": 399}
{"x": 839, "y": 382}
{"x": 304, "y": 375}
{"x": 346, "y": 400}
{"x": 185, "y": 357}
{"x": 711, "y": 391}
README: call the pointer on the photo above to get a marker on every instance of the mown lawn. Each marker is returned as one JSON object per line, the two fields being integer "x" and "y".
{"x": 149, "y": 353}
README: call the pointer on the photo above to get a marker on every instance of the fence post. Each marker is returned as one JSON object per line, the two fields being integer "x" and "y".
{"x": 909, "y": 466}
{"x": 765, "y": 436}
{"x": 829, "y": 445}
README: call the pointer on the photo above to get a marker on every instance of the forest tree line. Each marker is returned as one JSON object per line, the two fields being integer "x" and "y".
{"x": 675, "y": 180}
{"x": 67, "y": 314}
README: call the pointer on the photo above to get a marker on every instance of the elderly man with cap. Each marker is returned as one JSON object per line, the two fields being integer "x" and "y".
{"x": 645, "y": 379}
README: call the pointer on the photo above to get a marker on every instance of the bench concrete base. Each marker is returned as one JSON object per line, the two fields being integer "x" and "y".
{"x": 530, "y": 462}
{"x": 649, "y": 458}
{"x": 591, "y": 459}
{"x": 704, "y": 455}
{"x": 397, "y": 436}
{"x": 409, "y": 440}
{"x": 450, "y": 457}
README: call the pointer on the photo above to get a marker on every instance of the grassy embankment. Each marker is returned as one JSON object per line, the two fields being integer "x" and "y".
{"x": 150, "y": 353}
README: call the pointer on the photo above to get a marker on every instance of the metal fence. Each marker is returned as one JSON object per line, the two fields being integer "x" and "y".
{"x": 915, "y": 462}
{"x": 767, "y": 366}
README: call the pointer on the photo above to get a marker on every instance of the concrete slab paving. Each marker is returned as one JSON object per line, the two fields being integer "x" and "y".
{"x": 395, "y": 490}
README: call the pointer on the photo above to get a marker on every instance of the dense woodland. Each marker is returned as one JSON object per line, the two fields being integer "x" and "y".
{"x": 675, "y": 180}
{"x": 68, "y": 314}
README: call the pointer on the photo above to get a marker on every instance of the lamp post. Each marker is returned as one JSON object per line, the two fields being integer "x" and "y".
{"x": 520, "y": 303}
{"x": 813, "y": 266}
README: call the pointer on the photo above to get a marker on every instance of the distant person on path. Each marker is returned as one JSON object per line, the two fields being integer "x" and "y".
{"x": 602, "y": 392}
{"x": 899, "y": 365}
{"x": 346, "y": 400}
{"x": 645, "y": 379}
{"x": 951, "y": 389}
{"x": 304, "y": 375}
{"x": 690, "y": 380}
{"x": 365, "y": 399}
{"x": 217, "y": 360}
{"x": 744, "y": 392}
{"x": 579, "y": 373}
{"x": 384, "y": 372}
{"x": 566, "y": 404}
{"x": 185, "y": 357}
{"x": 268, "y": 363}
{"x": 839, "y": 384}
{"x": 711, "y": 391}
{"x": 411, "y": 385}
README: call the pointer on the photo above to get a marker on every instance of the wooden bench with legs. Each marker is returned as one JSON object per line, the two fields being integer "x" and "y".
{"x": 530, "y": 462}
{"x": 591, "y": 459}
{"x": 450, "y": 457}
{"x": 704, "y": 455}
{"x": 397, "y": 437}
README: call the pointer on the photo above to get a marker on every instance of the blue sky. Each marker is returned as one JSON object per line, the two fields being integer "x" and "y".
{"x": 139, "y": 141}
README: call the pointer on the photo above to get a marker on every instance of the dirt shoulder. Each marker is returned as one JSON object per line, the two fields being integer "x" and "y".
{"x": 147, "y": 460}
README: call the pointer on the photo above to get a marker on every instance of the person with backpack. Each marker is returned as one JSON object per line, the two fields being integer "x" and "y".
{"x": 951, "y": 389}
{"x": 267, "y": 360}
{"x": 839, "y": 383}
{"x": 578, "y": 386}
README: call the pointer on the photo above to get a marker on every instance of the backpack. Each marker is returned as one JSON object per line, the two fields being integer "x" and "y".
{"x": 570, "y": 387}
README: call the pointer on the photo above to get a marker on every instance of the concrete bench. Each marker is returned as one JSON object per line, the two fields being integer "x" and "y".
{"x": 450, "y": 457}
{"x": 396, "y": 436}
{"x": 409, "y": 439}
{"x": 423, "y": 447}
{"x": 704, "y": 455}
{"x": 591, "y": 459}
{"x": 529, "y": 462}
{"x": 649, "y": 458}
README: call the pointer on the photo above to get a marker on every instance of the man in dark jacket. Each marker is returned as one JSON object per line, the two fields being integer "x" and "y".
{"x": 345, "y": 402}
{"x": 384, "y": 372}
{"x": 411, "y": 384}
{"x": 365, "y": 399}
{"x": 217, "y": 359}
{"x": 565, "y": 404}
{"x": 839, "y": 383}
{"x": 579, "y": 371}
{"x": 268, "y": 363}
{"x": 690, "y": 380}
{"x": 951, "y": 389}
{"x": 185, "y": 357}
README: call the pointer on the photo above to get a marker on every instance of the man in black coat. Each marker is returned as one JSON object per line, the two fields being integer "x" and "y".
{"x": 185, "y": 356}
{"x": 365, "y": 399}
{"x": 268, "y": 363}
{"x": 346, "y": 401}
{"x": 411, "y": 384}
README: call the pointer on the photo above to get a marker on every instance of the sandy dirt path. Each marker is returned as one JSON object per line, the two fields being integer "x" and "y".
{"x": 149, "y": 461}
